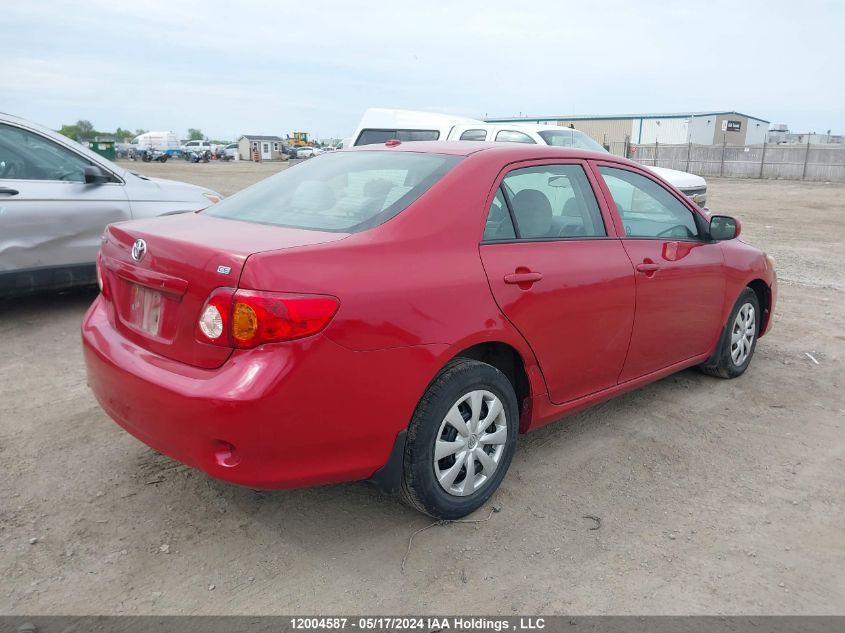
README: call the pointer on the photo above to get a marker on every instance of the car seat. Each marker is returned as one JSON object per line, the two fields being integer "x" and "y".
{"x": 533, "y": 213}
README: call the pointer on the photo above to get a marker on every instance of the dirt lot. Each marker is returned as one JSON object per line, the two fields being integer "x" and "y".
{"x": 714, "y": 496}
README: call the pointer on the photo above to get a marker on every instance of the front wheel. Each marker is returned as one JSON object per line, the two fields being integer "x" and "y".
{"x": 738, "y": 340}
{"x": 461, "y": 440}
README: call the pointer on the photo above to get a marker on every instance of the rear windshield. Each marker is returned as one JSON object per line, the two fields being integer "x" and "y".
{"x": 377, "y": 136}
{"x": 344, "y": 191}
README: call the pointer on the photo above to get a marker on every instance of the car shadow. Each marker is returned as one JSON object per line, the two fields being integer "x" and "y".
{"x": 359, "y": 510}
{"x": 50, "y": 301}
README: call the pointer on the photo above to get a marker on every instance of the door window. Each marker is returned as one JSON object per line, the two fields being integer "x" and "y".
{"x": 549, "y": 202}
{"x": 474, "y": 135}
{"x": 646, "y": 208}
{"x": 510, "y": 136}
{"x": 25, "y": 155}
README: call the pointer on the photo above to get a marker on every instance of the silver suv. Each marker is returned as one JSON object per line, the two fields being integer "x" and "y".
{"x": 56, "y": 197}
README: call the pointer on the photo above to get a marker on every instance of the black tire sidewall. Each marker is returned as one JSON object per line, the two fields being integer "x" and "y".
{"x": 420, "y": 483}
{"x": 725, "y": 361}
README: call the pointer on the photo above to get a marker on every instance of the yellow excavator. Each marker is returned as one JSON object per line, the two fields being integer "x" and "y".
{"x": 298, "y": 139}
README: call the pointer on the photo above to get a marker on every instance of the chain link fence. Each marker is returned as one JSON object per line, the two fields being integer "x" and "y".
{"x": 791, "y": 162}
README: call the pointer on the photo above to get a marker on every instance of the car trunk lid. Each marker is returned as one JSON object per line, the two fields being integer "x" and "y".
{"x": 158, "y": 288}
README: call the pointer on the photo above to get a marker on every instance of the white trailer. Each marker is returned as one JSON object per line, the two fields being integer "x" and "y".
{"x": 166, "y": 142}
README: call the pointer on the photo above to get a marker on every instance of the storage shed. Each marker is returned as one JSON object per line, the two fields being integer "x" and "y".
{"x": 260, "y": 147}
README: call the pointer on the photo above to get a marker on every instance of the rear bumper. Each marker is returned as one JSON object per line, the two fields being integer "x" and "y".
{"x": 280, "y": 416}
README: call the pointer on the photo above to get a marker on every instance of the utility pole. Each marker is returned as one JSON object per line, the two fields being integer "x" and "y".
{"x": 806, "y": 157}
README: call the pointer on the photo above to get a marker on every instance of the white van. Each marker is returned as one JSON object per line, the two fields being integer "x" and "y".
{"x": 379, "y": 125}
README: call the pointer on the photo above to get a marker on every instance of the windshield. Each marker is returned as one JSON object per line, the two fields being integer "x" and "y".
{"x": 568, "y": 137}
{"x": 343, "y": 192}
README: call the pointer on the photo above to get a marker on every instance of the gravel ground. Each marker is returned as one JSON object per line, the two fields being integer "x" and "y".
{"x": 713, "y": 496}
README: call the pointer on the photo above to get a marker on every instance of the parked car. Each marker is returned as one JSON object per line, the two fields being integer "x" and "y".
{"x": 289, "y": 151}
{"x": 381, "y": 124}
{"x": 56, "y": 197}
{"x": 124, "y": 150}
{"x": 308, "y": 152}
{"x": 229, "y": 152}
{"x": 401, "y": 312}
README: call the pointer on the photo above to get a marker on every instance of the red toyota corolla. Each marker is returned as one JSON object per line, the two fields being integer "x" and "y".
{"x": 401, "y": 312}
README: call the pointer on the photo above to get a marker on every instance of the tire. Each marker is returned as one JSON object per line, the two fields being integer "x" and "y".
{"x": 739, "y": 339}
{"x": 463, "y": 386}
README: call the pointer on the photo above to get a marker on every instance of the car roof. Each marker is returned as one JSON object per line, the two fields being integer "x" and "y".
{"x": 506, "y": 151}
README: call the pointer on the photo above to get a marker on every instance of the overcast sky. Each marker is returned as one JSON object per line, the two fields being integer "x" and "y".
{"x": 243, "y": 66}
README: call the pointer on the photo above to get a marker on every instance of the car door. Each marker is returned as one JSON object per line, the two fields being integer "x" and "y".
{"x": 49, "y": 216}
{"x": 560, "y": 275}
{"x": 679, "y": 272}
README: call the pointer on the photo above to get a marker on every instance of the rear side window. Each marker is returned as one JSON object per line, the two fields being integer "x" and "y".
{"x": 510, "y": 136}
{"x": 338, "y": 191}
{"x": 499, "y": 225}
{"x": 474, "y": 135}
{"x": 553, "y": 202}
{"x": 375, "y": 137}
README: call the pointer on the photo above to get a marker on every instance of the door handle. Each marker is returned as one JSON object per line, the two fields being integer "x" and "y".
{"x": 523, "y": 278}
{"x": 8, "y": 191}
{"x": 648, "y": 267}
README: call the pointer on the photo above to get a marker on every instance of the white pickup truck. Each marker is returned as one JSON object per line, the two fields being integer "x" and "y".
{"x": 198, "y": 146}
{"x": 381, "y": 124}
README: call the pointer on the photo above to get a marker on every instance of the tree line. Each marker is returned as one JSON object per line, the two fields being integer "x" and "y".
{"x": 84, "y": 130}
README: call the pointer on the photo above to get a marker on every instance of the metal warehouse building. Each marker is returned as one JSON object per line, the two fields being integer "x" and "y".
{"x": 701, "y": 128}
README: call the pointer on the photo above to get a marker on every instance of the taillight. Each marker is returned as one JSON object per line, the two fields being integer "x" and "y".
{"x": 248, "y": 318}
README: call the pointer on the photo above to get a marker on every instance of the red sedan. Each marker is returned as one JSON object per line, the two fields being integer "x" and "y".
{"x": 401, "y": 312}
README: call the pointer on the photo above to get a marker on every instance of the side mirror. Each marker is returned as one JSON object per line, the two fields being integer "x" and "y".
{"x": 724, "y": 227}
{"x": 95, "y": 176}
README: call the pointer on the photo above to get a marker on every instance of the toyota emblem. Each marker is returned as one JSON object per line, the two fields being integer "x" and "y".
{"x": 139, "y": 249}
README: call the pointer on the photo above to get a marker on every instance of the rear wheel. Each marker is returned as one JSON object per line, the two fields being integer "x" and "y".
{"x": 461, "y": 440}
{"x": 739, "y": 339}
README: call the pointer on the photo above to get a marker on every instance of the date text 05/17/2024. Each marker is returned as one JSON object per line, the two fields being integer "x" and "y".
{"x": 383, "y": 623}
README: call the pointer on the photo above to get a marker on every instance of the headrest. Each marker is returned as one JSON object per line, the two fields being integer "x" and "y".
{"x": 533, "y": 213}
